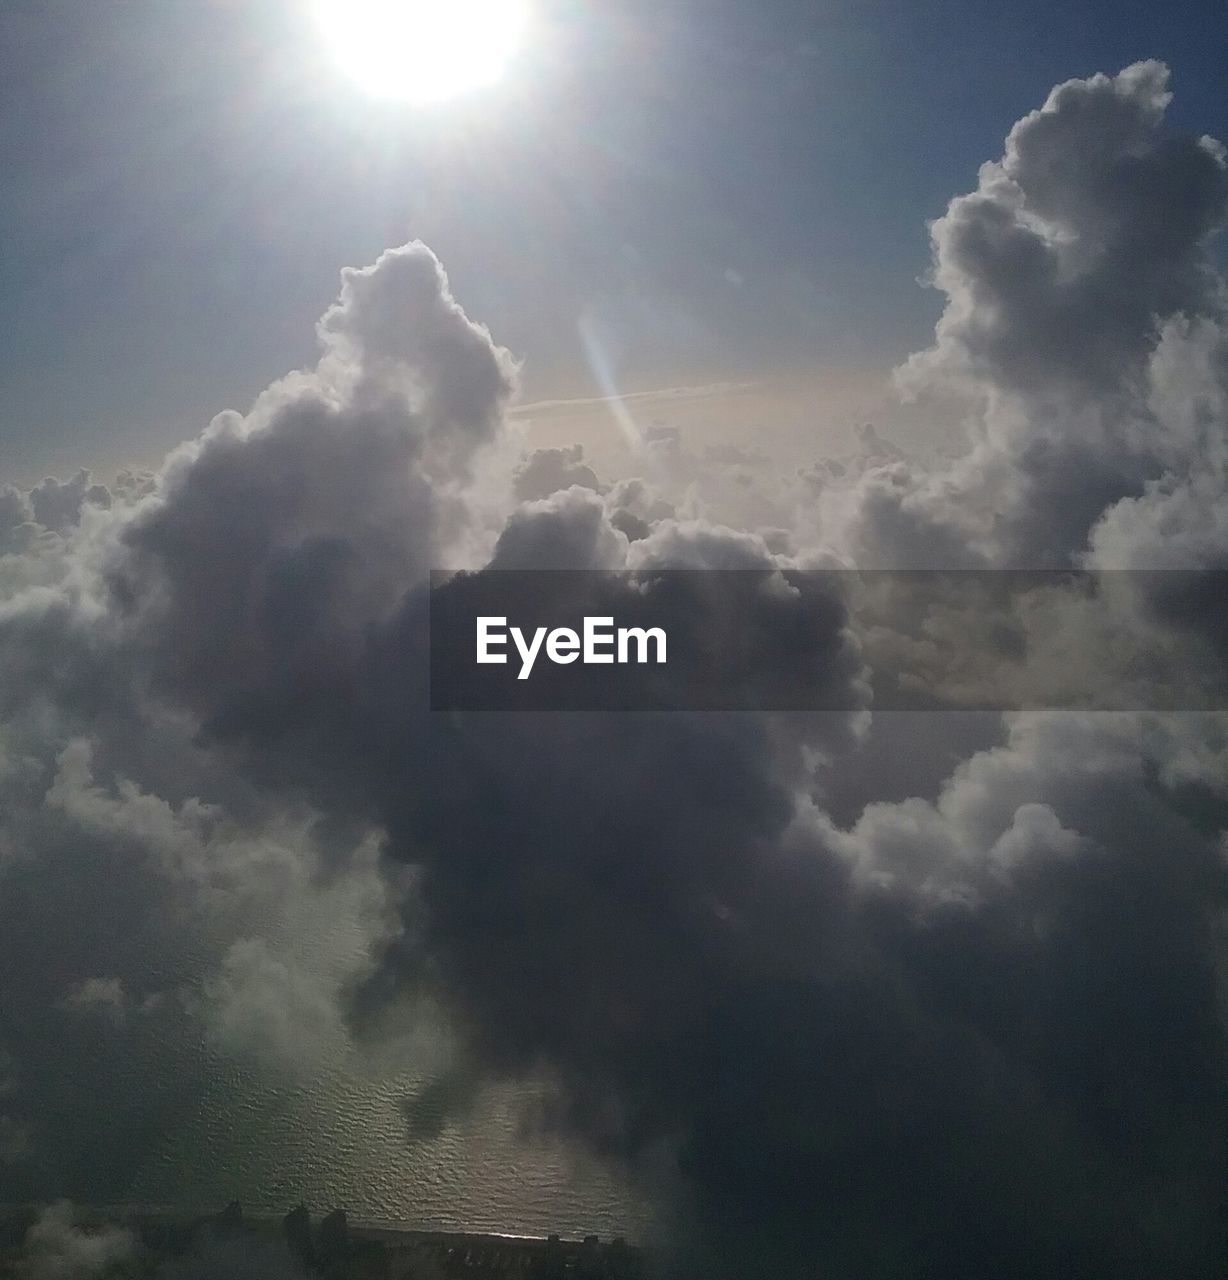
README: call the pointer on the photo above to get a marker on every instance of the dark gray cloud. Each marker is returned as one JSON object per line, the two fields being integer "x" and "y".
{"x": 16, "y": 514}
{"x": 546, "y": 471}
{"x": 960, "y": 1016}
{"x": 57, "y": 506}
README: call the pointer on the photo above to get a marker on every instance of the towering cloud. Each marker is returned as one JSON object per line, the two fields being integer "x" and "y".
{"x": 1079, "y": 247}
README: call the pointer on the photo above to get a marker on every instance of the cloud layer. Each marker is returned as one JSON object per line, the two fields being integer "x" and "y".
{"x": 957, "y": 1015}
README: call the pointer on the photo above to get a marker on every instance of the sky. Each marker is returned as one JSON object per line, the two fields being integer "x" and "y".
{"x": 722, "y": 192}
{"x": 930, "y": 982}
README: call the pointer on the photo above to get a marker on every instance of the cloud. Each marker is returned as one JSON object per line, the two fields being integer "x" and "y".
{"x": 569, "y": 530}
{"x": 104, "y": 996}
{"x": 547, "y": 471}
{"x": 1088, "y": 237}
{"x": 842, "y": 1012}
{"x": 56, "y": 1248}
{"x": 58, "y": 506}
{"x": 64, "y": 1244}
{"x": 1093, "y": 224}
{"x": 259, "y": 1005}
{"x": 398, "y": 322}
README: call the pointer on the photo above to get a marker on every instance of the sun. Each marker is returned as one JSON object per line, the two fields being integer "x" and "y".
{"x": 423, "y": 51}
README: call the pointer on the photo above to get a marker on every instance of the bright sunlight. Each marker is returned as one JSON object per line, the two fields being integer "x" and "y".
{"x": 423, "y": 51}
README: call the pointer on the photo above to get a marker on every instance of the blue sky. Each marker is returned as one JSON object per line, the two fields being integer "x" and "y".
{"x": 725, "y": 191}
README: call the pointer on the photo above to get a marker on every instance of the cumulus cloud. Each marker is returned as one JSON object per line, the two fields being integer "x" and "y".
{"x": 961, "y": 1014}
{"x": 58, "y": 506}
{"x": 547, "y": 471}
{"x": 1088, "y": 237}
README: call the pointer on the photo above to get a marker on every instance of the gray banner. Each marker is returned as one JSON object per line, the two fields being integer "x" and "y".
{"x": 828, "y": 640}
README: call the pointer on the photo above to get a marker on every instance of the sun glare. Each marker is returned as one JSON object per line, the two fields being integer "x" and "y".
{"x": 423, "y": 50}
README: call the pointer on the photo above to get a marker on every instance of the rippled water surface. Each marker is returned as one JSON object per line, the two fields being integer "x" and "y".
{"x": 346, "y": 1141}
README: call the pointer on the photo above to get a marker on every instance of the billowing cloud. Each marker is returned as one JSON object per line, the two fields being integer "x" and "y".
{"x": 1087, "y": 239}
{"x": 547, "y": 471}
{"x": 840, "y": 1012}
